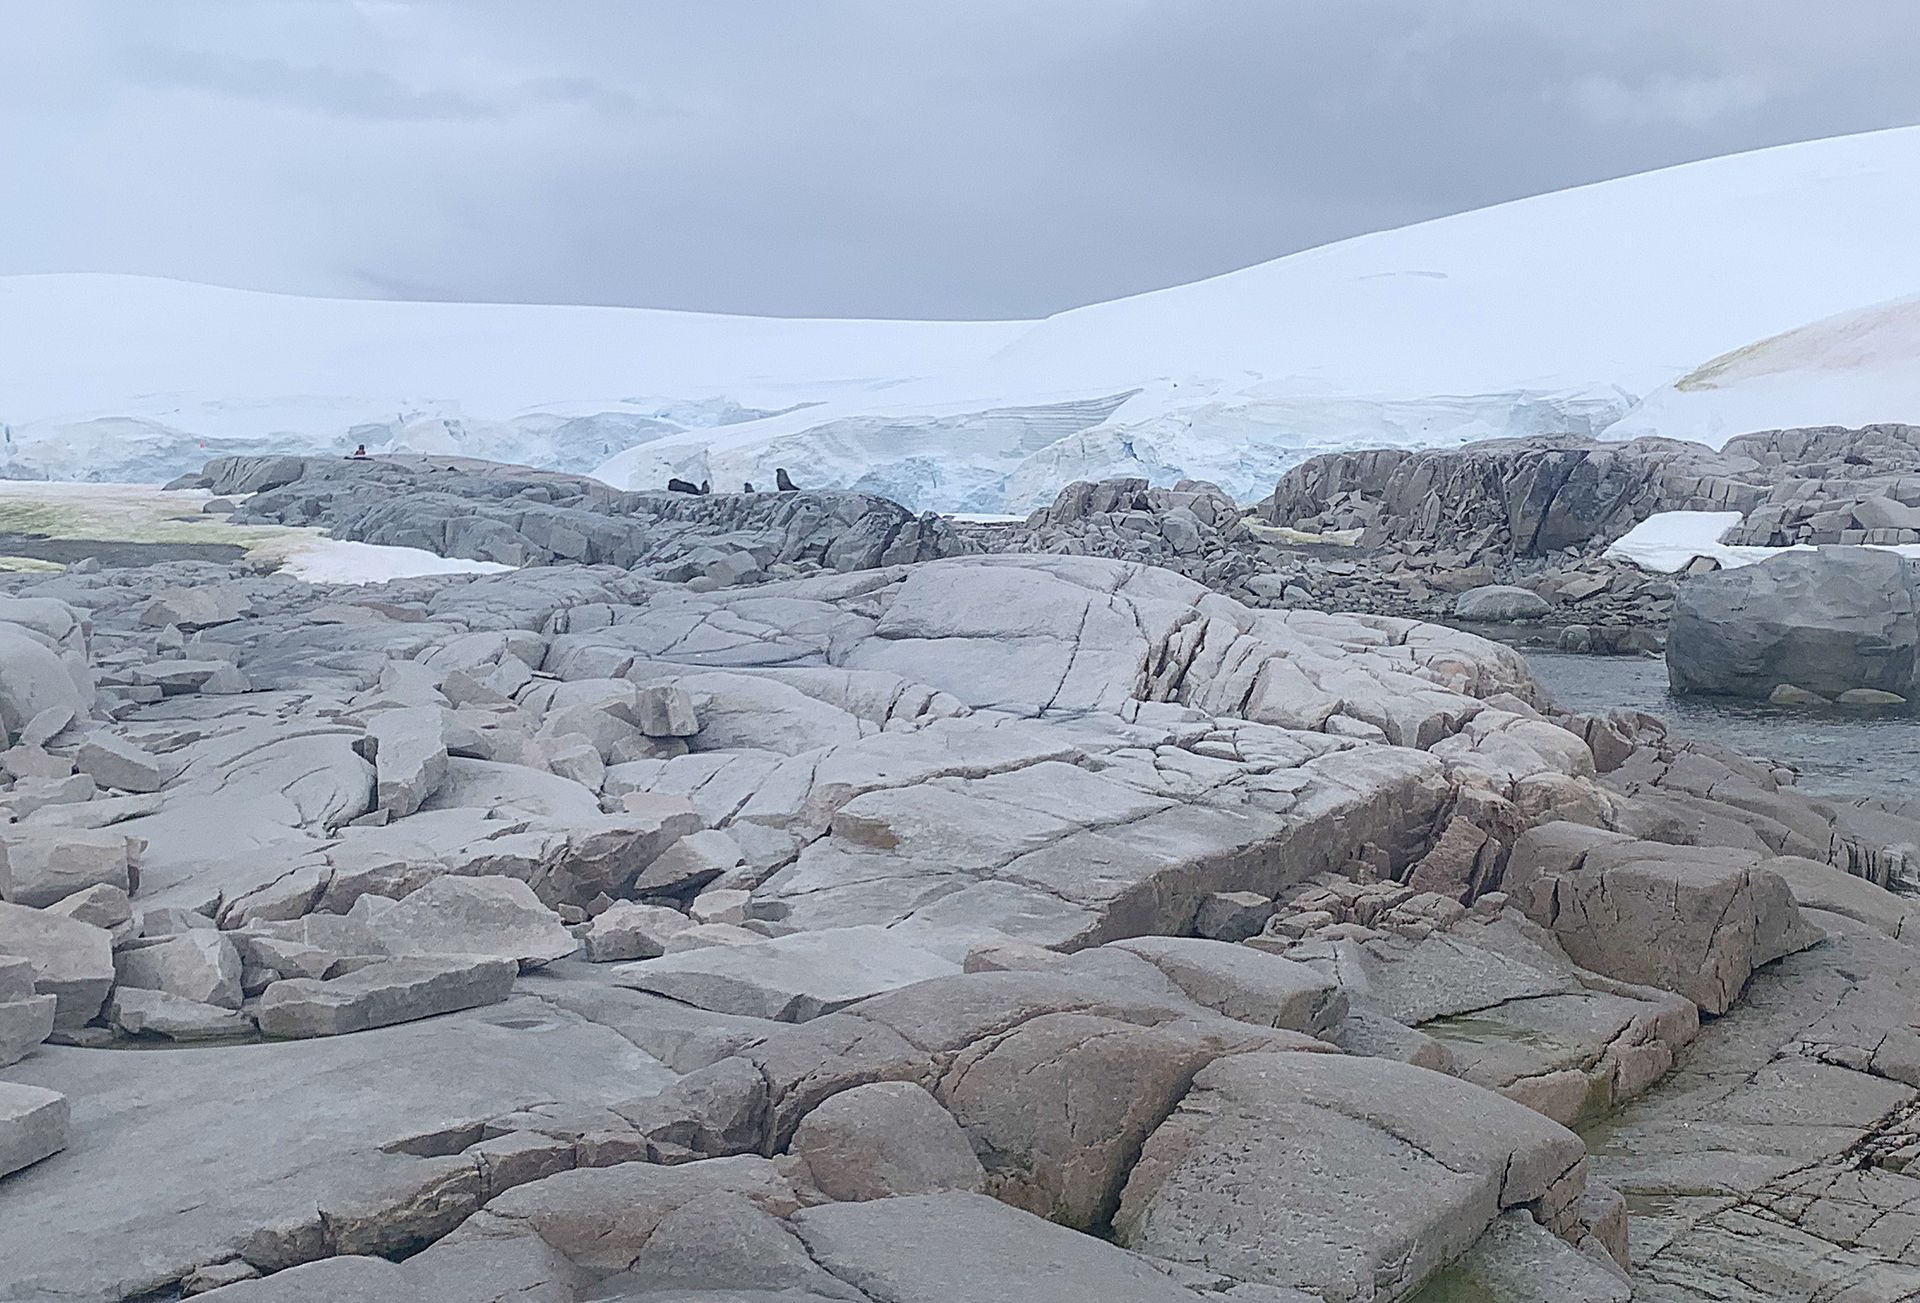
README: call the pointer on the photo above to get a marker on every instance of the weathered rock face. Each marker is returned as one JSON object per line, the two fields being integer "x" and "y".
{"x": 511, "y": 514}
{"x": 1692, "y": 922}
{"x": 1832, "y": 485}
{"x": 883, "y": 1141}
{"x": 1524, "y": 497}
{"x": 1825, "y": 622}
{"x": 1391, "y": 1171}
{"x": 960, "y": 902}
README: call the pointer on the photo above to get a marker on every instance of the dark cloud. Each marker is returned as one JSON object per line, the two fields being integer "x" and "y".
{"x": 862, "y": 157}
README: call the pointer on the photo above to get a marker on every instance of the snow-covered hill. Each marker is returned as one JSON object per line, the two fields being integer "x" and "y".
{"x": 1853, "y": 369}
{"x": 134, "y": 378}
{"x": 1553, "y": 313}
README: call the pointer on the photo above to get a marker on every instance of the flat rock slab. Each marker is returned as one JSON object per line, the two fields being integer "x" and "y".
{"x": 966, "y": 1248}
{"x": 383, "y": 993}
{"x": 791, "y": 978}
{"x": 140, "y": 1012}
{"x": 33, "y": 1125}
{"x": 179, "y": 1154}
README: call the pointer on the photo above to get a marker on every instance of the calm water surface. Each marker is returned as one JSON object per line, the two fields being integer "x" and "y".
{"x": 1834, "y": 750}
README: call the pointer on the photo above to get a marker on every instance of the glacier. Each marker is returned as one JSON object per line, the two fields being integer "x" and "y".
{"x": 1697, "y": 301}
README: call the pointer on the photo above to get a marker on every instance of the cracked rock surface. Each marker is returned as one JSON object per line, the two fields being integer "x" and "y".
{"x": 902, "y": 925}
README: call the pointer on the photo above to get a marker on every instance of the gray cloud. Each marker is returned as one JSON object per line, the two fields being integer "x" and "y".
{"x": 861, "y": 157}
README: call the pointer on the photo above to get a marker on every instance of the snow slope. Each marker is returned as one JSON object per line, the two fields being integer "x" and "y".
{"x": 1856, "y": 368}
{"x": 123, "y": 377}
{"x": 1556, "y": 312}
{"x": 1559, "y": 312}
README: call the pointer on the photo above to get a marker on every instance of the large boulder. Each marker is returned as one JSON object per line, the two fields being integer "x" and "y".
{"x": 1500, "y": 603}
{"x": 1345, "y": 1177}
{"x": 493, "y": 916}
{"x": 72, "y": 961}
{"x": 41, "y": 867}
{"x": 33, "y": 679}
{"x": 1824, "y": 621}
{"x": 409, "y": 757}
{"x": 33, "y": 1124}
{"x": 1694, "y": 920}
{"x": 200, "y": 964}
{"x": 26, "y": 1017}
{"x": 884, "y": 1140}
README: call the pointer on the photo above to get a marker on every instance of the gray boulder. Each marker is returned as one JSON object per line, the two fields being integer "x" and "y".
{"x": 409, "y": 759}
{"x": 1693, "y": 920}
{"x": 139, "y": 1012}
{"x": 633, "y": 931}
{"x": 200, "y": 965}
{"x": 115, "y": 762}
{"x": 194, "y": 608}
{"x": 383, "y": 993}
{"x": 688, "y": 864}
{"x": 41, "y": 867}
{"x": 33, "y": 680}
{"x": 33, "y": 1124}
{"x": 665, "y": 710}
{"x": 495, "y": 917}
{"x": 1825, "y": 621}
{"x": 1233, "y": 915}
{"x": 1500, "y": 603}
{"x": 885, "y": 1140}
{"x": 26, "y": 1018}
{"x": 72, "y": 961}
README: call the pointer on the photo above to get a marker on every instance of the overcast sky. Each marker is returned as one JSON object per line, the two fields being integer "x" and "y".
{"x": 861, "y": 157}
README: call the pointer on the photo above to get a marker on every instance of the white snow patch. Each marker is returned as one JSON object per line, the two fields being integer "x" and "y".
{"x": 1668, "y": 541}
{"x": 333, "y": 561}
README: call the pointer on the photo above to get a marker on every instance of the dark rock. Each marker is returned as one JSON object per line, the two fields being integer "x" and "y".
{"x": 1824, "y": 622}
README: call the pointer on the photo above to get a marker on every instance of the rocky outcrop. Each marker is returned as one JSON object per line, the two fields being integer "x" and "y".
{"x": 1833, "y": 485}
{"x": 1195, "y": 530}
{"x": 1173, "y": 947}
{"x": 511, "y": 514}
{"x": 1510, "y": 497}
{"x": 1826, "y": 622}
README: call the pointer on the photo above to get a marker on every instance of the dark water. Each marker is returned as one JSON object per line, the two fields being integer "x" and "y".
{"x": 1835, "y": 750}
